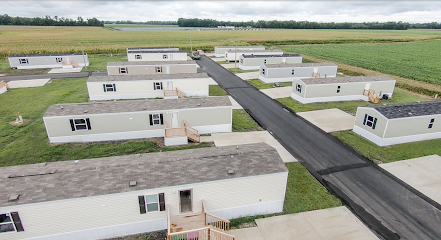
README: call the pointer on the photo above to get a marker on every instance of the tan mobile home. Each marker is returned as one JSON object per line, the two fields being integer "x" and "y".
{"x": 253, "y": 62}
{"x": 148, "y": 86}
{"x": 110, "y": 197}
{"x": 154, "y": 49}
{"x": 271, "y": 73}
{"x": 219, "y": 51}
{"x": 158, "y": 56}
{"x": 119, "y": 120}
{"x": 399, "y": 123}
{"x": 231, "y": 56}
{"x": 144, "y": 68}
{"x": 310, "y": 90}
{"x": 53, "y": 60}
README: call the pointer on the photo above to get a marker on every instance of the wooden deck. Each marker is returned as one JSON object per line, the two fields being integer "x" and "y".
{"x": 181, "y": 223}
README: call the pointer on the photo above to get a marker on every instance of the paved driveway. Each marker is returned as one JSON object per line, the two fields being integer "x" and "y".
{"x": 28, "y": 83}
{"x": 248, "y": 75}
{"x": 330, "y": 120}
{"x": 278, "y": 92}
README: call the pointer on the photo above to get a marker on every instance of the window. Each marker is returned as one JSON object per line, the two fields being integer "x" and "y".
{"x": 157, "y": 85}
{"x": 58, "y": 60}
{"x": 338, "y": 89}
{"x": 23, "y": 61}
{"x": 80, "y": 124}
{"x": 431, "y": 123}
{"x": 299, "y": 88}
{"x": 156, "y": 119}
{"x": 165, "y": 56}
{"x": 158, "y": 69}
{"x": 292, "y": 72}
{"x": 138, "y": 57}
{"x": 263, "y": 71}
{"x": 264, "y": 61}
{"x": 109, "y": 87}
{"x": 10, "y": 222}
{"x": 123, "y": 70}
{"x": 241, "y": 60}
{"x": 151, "y": 203}
{"x": 370, "y": 121}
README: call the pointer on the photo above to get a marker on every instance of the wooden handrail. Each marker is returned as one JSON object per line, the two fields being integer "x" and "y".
{"x": 168, "y": 222}
{"x": 170, "y": 93}
{"x": 175, "y": 132}
{"x": 224, "y": 234}
{"x": 180, "y": 93}
{"x": 188, "y": 231}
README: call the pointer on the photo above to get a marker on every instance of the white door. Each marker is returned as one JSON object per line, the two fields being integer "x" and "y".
{"x": 368, "y": 86}
{"x": 171, "y": 57}
{"x": 169, "y": 85}
{"x": 167, "y": 70}
{"x": 174, "y": 121}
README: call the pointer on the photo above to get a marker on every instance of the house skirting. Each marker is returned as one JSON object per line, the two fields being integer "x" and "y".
{"x": 3, "y": 89}
{"x": 144, "y": 95}
{"x": 331, "y": 99}
{"x": 249, "y": 67}
{"x": 46, "y": 66}
{"x": 285, "y": 79}
{"x": 395, "y": 140}
{"x": 249, "y": 210}
{"x": 175, "y": 141}
{"x": 108, "y": 136}
{"x": 219, "y": 128}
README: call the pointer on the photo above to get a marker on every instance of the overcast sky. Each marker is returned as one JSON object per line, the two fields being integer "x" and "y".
{"x": 320, "y": 11}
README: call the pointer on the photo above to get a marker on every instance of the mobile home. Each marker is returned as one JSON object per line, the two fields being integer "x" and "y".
{"x": 158, "y": 56}
{"x": 253, "y": 62}
{"x": 54, "y": 60}
{"x": 116, "y": 196}
{"x": 310, "y": 90}
{"x": 271, "y": 73}
{"x": 144, "y": 68}
{"x": 231, "y": 56}
{"x": 399, "y": 123}
{"x": 120, "y": 120}
{"x": 219, "y": 51}
{"x": 154, "y": 49}
{"x": 148, "y": 86}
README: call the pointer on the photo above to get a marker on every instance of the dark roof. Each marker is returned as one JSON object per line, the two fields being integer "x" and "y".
{"x": 370, "y": 78}
{"x": 267, "y": 56}
{"x": 145, "y": 77}
{"x": 100, "y": 176}
{"x": 145, "y": 63}
{"x": 84, "y": 109}
{"x": 286, "y": 65}
{"x": 403, "y": 110}
{"x": 165, "y": 52}
{"x": 48, "y": 54}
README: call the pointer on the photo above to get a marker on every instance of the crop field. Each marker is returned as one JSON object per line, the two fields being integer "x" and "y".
{"x": 414, "y": 60}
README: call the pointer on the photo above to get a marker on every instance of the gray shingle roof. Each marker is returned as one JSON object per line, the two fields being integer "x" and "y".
{"x": 101, "y": 176}
{"x": 370, "y": 78}
{"x": 300, "y": 65}
{"x": 251, "y": 51}
{"x": 402, "y": 110}
{"x": 165, "y": 52}
{"x": 147, "y": 63}
{"x": 267, "y": 56}
{"x": 84, "y": 109}
{"x": 239, "y": 47}
{"x": 145, "y": 77}
{"x": 48, "y": 54}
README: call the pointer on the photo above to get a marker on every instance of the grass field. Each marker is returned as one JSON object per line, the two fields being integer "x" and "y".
{"x": 139, "y": 26}
{"x": 414, "y": 60}
{"x": 261, "y": 85}
{"x": 216, "y": 90}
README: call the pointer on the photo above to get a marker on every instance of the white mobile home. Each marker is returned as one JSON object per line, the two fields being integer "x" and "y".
{"x": 271, "y": 73}
{"x": 253, "y": 62}
{"x": 144, "y": 68}
{"x": 119, "y": 120}
{"x": 399, "y": 123}
{"x": 54, "y": 60}
{"x": 219, "y": 51}
{"x": 3, "y": 87}
{"x": 310, "y": 90}
{"x": 154, "y": 49}
{"x": 116, "y": 196}
{"x": 231, "y": 56}
{"x": 148, "y": 86}
{"x": 158, "y": 56}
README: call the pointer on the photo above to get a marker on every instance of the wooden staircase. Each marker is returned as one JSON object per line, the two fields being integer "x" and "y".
{"x": 192, "y": 134}
{"x": 174, "y": 93}
{"x": 372, "y": 95}
{"x": 316, "y": 75}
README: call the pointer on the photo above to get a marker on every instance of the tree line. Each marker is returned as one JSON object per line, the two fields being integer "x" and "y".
{"x": 49, "y": 21}
{"x": 147, "y": 23}
{"x": 196, "y": 22}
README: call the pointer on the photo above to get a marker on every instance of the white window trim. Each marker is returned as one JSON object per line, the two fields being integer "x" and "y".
{"x": 138, "y": 56}
{"x": 164, "y": 56}
{"x": 374, "y": 119}
{"x": 11, "y": 222}
{"x": 157, "y": 203}
{"x": 158, "y": 86}
{"x": 157, "y": 119}
{"x": 299, "y": 88}
{"x": 26, "y": 61}
{"x": 59, "y": 59}
{"x": 85, "y": 124}
{"x": 158, "y": 69}
{"x": 121, "y": 69}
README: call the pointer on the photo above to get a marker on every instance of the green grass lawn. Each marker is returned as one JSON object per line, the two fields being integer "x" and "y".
{"x": 261, "y": 85}
{"x": 303, "y": 193}
{"x": 399, "y": 96}
{"x": 98, "y": 62}
{"x": 216, "y": 90}
{"x": 243, "y": 122}
{"x": 238, "y": 70}
{"x": 28, "y": 143}
{"x": 392, "y": 153}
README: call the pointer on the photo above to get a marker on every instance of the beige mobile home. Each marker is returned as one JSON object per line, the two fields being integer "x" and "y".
{"x": 173, "y": 119}
{"x": 158, "y": 56}
{"x": 312, "y": 90}
{"x": 219, "y": 51}
{"x": 231, "y": 56}
{"x": 253, "y": 62}
{"x": 144, "y": 68}
{"x": 54, "y": 60}
{"x": 3, "y": 87}
{"x": 154, "y": 49}
{"x": 271, "y": 73}
{"x": 399, "y": 123}
{"x": 148, "y": 86}
{"x": 109, "y": 197}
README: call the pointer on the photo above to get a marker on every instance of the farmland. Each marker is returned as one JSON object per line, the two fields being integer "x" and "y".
{"x": 414, "y": 60}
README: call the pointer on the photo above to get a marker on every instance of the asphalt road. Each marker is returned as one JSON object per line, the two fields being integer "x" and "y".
{"x": 392, "y": 209}
{"x": 51, "y": 76}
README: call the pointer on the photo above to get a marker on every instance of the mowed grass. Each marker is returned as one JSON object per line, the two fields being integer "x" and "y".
{"x": 216, "y": 90}
{"x": 414, "y": 60}
{"x": 399, "y": 96}
{"x": 243, "y": 122}
{"x": 28, "y": 143}
{"x": 261, "y": 85}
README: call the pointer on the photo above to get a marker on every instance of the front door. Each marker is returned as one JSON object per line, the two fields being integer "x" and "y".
{"x": 169, "y": 85}
{"x": 174, "y": 120}
{"x": 185, "y": 201}
{"x": 171, "y": 57}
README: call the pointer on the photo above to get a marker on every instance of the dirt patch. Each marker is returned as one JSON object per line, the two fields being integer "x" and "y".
{"x": 248, "y": 225}
{"x": 19, "y": 123}
{"x": 161, "y": 235}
